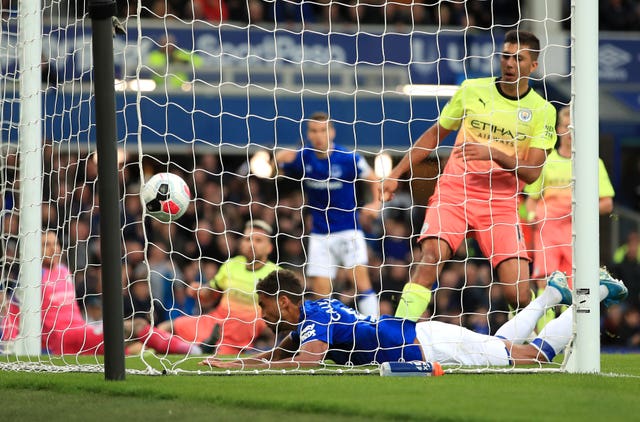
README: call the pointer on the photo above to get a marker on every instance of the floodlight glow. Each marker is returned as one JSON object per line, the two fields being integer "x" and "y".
{"x": 382, "y": 165}
{"x": 142, "y": 85}
{"x": 260, "y": 165}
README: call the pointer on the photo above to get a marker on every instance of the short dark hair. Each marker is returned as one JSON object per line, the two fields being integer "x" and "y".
{"x": 281, "y": 282}
{"x": 320, "y": 116}
{"x": 525, "y": 38}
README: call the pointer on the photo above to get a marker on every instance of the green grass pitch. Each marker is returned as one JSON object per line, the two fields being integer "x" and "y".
{"x": 612, "y": 395}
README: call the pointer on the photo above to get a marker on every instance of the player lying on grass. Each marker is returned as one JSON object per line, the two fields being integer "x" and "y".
{"x": 326, "y": 329}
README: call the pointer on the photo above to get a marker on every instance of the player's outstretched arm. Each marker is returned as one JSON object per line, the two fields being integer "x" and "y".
{"x": 372, "y": 209}
{"x": 605, "y": 205}
{"x": 419, "y": 151}
{"x": 284, "y": 156}
{"x": 310, "y": 355}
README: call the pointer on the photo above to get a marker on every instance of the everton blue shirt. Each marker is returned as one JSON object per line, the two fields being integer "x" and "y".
{"x": 330, "y": 186}
{"x": 355, "y": 338}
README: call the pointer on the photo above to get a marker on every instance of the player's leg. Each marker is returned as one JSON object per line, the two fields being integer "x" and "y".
{"x": 240, "y": 333}
{"x": 167, "y": 325}
{"x": 546, "y": 258}
{"x": 518, "y": 328}
{"x": 556, "y": 334}
{"x": 366, "y": 298}
{"x": 351, "y": 251}
{"x": 416, "y": 294}
{"x": 86, "y": 340}
{"x": 514, "y": 274}
{"x": 450, "y": 344}
{"x": 500, "y": 238}
{"x": 443, "y": 230}
{"x": 159, "y": 340}
{"x": 321, "y": 268}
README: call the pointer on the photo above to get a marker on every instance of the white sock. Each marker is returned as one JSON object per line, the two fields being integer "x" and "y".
{"x": 195, "y": 350}
{"x": 518, "y": 328}
{"x": 368, "y": 305}
{"x": 555, "y": 336}
{"x": 603, "y": 292}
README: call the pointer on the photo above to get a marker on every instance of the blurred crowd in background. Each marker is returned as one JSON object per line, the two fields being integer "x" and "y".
{"x": 614, "y": 15}
{"x": 160, "y": 261}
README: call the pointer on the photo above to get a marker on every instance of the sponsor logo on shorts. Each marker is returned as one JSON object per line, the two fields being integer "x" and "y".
{"x": 424, "y": 228}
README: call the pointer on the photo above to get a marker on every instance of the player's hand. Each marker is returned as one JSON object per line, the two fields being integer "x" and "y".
{"x": 193, "y": 289}
{"x": 371, "y": 210}
{"x": 284, "y": 156}
{"x": 218, "y": 363}
{"x": 387, "y": 189}
{"x": 472, "y": 151}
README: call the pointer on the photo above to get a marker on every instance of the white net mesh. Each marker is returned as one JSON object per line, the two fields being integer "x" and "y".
{"x": 212, "y": 92}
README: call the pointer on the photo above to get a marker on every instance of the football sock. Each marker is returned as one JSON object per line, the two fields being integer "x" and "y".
{"x": 556, "y": 334}
{"x": 548, "y": 315}
{"x": 368, "y": 303}
{"x": 413, "y": 302}
{"x": 603, "y": 292}
{"x": 163, "y": 342}
{"x": 518, "y": 328}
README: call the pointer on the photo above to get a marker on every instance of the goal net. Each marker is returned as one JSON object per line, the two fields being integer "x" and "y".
{"x": 212, "y": 92}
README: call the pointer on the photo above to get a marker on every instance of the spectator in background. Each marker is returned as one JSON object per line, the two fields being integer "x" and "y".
{"x": 284, "y": 12}
{"x": 619, "y": 15}
{"x": 549, "y": 205}
{"x": 137, "y": 296}
{"x": 49, "y": 72}
{"x": 248, "y": 11}
{"x": 212, "y": 11}
{"x": 204, "y": 246}
{"x": 167, "y": 289}
{"x": 369, "y": 12}
{"x": 163, "y": 9}
{"x": 630, "y": 251}
{"x": 406, "y": 12}
{"x": 328, "y": 173}
{"x": 9, "y": 9}
{"x": 621, "y": 327}
{"x": 626, "y": 262}
{"x": 334, "y": 12}
{"x": 396, "y": 243}
{"x": 172, "y": 67}
{"x": 132, "y": 227}
{"x": 501, "y": 15}
{"x": 290, "y": 229}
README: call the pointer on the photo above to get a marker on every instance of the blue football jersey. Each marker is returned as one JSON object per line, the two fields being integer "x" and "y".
{"x": 355, "y": 338}
{"x": 330, "y": 187}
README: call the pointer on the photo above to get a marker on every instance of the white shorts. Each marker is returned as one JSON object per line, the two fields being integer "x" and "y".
{"x": 328, "y": 252}
{"x": 450, "y": 344}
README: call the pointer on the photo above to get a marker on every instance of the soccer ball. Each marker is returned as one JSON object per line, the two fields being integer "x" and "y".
{"x": 166, "y": 197}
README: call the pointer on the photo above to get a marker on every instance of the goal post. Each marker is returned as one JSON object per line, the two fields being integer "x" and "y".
{"x": 30, "y": 155}
{"x": 102, "y": 13}
{"x": 585, "y": 356}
